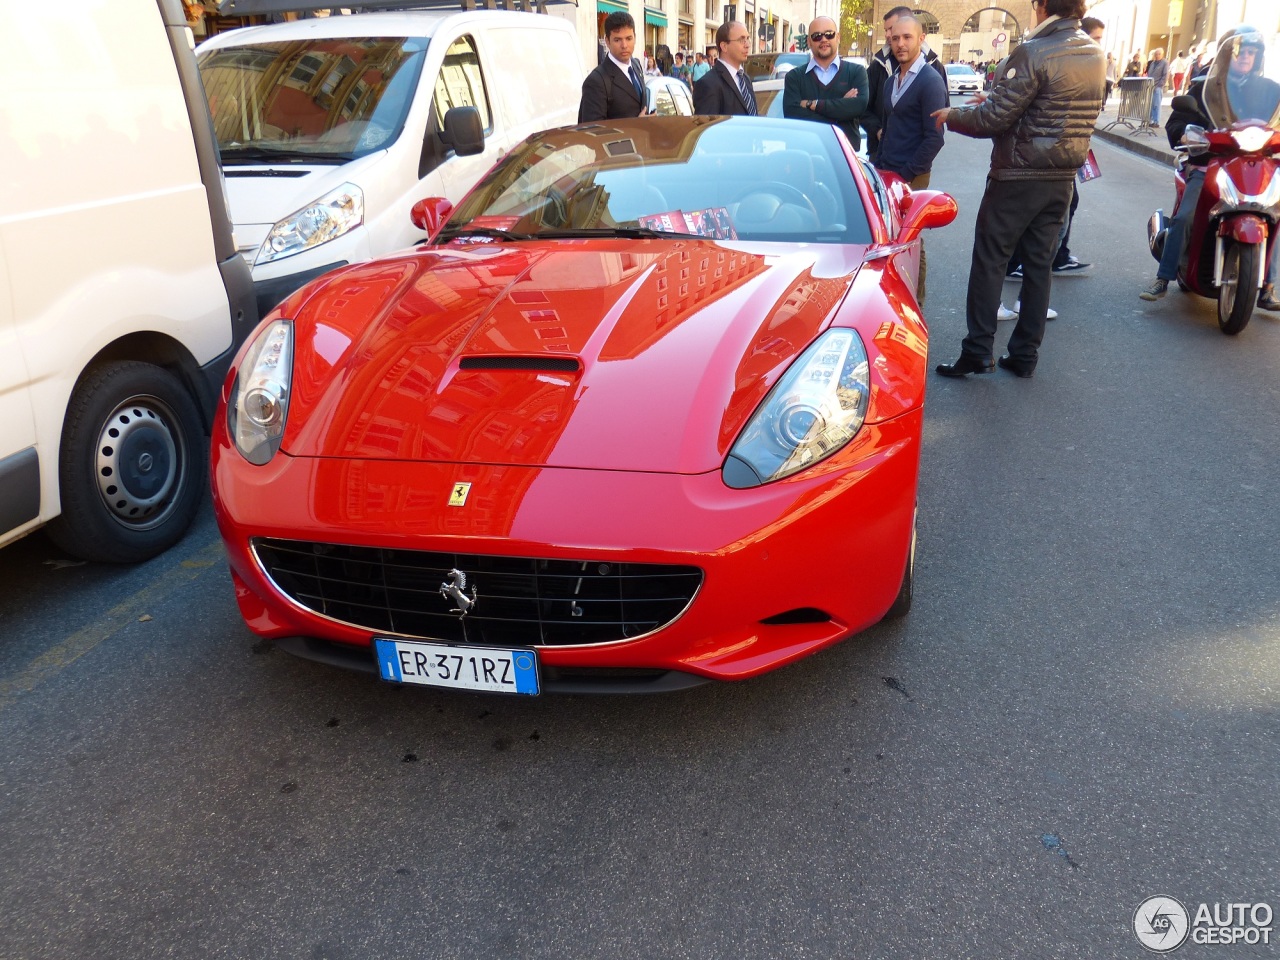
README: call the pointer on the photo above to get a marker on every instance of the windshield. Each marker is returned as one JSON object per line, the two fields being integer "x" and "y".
{"x": 1236, "y": 89}
{"x": 760, "y": 66}
{"x": 961, "y": 68}
{"x": 729, "y": 178}
{"x": 327, "y": 100}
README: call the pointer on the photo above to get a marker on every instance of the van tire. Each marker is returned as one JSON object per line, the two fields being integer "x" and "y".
{"x": 133, "y": 464}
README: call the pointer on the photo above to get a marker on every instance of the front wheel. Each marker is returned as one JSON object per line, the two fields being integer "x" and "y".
{"x": 902, "y": 603}
{"x": 1238, "y": 292}
{"x": 132, "y": 466}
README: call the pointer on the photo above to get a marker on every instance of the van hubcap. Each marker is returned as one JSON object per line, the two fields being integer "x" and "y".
{"x": 138, "y": 461}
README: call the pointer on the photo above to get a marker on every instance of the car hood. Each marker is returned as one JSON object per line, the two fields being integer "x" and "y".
{"x": 627, "y": 355}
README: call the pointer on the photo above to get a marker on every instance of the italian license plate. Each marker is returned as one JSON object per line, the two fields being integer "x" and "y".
{"x": 488, "y": 669}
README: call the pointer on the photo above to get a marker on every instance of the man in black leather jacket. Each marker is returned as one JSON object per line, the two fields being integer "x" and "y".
{"x": 1039, "y": 115}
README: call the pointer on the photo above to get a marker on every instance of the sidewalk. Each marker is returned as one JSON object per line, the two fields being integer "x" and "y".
{"x": 1153, "y": 144}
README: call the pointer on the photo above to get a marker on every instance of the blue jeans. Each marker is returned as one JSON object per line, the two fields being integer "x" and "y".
{"x": 1155, "y": 106}
{"x": 1176, "y": 239}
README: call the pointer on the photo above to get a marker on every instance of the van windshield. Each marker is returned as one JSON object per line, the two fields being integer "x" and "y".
{"x": 322, "y": 100}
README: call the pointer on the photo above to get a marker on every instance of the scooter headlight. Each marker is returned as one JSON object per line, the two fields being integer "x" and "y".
{"x": 1251, "y": 138}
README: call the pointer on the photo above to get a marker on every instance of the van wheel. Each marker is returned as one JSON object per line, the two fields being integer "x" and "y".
{"x": 132, "y": 467}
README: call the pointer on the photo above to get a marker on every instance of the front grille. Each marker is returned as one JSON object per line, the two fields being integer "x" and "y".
{"x": 521, "y": 601}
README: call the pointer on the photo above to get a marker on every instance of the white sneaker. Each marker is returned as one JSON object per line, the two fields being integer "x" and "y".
{"x": 1005, "y": 314}
{"x": 1017, "y": 307}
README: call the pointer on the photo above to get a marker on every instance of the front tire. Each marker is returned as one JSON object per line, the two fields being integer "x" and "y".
{"x": 1237, "y": 294}
{"x": 902, "y": 603}
{"x": 132, "y": 467}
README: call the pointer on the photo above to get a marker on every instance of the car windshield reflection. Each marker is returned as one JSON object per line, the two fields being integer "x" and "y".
{"x": 747, "y": 178}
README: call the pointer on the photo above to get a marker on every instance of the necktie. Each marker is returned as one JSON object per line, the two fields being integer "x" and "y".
{"x": 637, "y": 82}
{"x": 748, "y": 100}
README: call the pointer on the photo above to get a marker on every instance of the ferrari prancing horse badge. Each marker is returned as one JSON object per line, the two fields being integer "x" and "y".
{"x": 458, "y": 498}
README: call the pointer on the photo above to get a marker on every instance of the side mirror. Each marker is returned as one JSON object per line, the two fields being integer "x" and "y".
{"x": 1195, "y": 139}
{"x": 925, "y": 210}
{"x": 430, "y": 214}
{"x": 463, "y": 131}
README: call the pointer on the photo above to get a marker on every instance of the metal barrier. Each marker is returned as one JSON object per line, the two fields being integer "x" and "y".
{"x": 1135, "y": 105}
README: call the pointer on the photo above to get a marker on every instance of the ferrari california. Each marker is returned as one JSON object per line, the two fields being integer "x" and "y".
{"x": 644, "y": 411}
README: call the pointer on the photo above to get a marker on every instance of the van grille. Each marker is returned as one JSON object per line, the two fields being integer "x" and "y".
{"x": 521, "y": 601}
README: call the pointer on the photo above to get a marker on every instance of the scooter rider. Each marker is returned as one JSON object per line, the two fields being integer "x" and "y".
{"x": 1248, "y": 94}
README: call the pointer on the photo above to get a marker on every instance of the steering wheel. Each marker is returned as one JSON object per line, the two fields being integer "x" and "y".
{"x": 784, "y": 192}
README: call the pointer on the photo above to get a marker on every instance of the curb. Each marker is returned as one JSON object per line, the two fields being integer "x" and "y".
{"x": 1160, "y": 153}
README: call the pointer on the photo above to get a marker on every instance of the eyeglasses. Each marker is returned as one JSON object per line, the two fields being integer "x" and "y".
{"x": 825, "y": 35}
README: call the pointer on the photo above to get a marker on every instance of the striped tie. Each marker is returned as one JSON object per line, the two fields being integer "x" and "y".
{"x": 748, "y": 100}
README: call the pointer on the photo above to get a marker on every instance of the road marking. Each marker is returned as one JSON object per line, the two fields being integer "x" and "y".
{"x": 60, "y": 656}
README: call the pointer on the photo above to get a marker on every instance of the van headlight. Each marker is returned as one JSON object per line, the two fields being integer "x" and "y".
{"x": 259, "y": 403}
{"x": 815, "y": 409}
{"x": 337, "y": 212}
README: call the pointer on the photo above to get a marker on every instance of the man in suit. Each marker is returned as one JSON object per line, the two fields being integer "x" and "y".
{"x": 615, "y": 89}
{"x": 726, "y": 89}
{"x": 828, "y": 89}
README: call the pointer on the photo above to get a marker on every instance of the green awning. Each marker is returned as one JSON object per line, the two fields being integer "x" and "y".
{"x": 610, "y": 6}
{"x": 653, "y": 19}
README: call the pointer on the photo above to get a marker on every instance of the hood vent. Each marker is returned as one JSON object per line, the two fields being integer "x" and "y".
{"x": 545, "y": 364}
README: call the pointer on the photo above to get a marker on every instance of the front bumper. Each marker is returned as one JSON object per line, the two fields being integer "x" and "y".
{"x": 789, "y": 567}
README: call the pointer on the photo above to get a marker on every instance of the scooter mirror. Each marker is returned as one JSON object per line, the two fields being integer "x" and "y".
{"x": 1197, "y": 142}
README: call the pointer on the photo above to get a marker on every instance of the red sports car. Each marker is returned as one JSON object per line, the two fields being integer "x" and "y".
{"x": 643, "y": 411}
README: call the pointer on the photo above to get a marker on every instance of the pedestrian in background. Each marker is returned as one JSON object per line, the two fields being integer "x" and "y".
{"x": 1111, "y": 77}
{"x": 1178, "y": 68}
{"x": 1040, "y": 115}
{"x": 827, "y": 89}
{"x": 700, "y": 67}
{"x": 726, "y": 90}
{"x": 1157, "y": 70}
{"x": 1134, "y": 68}
{"x": 615, "y": 88}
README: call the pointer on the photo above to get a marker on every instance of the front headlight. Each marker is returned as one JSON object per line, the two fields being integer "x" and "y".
{"x": 814, "y": 410}
{"x": 259, "y": 402}
{"x": 1251, "y": 138}
{"x": 337, "y": 212}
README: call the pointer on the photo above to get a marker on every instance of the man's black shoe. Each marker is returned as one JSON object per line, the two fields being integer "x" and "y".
{"x": 1267, "y": 298}
{"x": 965, "y": 366}
{"x": 1020, "y": 368}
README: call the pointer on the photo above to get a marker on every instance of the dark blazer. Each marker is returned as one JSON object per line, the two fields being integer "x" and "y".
{"x": 881, "y": 68}
{"x": 833, "y": 106}
{"x": 909, "y": 136}
{"x": 608, "y": 93}
{"x": 716, "y": 94}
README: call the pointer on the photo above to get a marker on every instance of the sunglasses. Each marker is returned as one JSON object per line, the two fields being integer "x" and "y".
{"x": 825, "y": 35}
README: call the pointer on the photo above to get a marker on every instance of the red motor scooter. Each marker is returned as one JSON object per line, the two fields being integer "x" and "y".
{"x": 1233, "y": 230}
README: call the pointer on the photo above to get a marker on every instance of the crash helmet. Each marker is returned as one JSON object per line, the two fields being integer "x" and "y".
{"x": 1235, "y": 88}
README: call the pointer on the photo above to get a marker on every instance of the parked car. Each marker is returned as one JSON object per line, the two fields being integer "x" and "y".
{"x": 122, "y": 297}
{"x": 769, "y": 96}
{"x": 962, "y": 78}
{"x": 669, "y": 97}
{"x": 770, "y": 66}
{"x": 330, "y": 128}
{"x": 645, "y": 411}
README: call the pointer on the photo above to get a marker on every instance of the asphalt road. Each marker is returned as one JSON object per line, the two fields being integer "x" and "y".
{"x": 1082, "y": 710}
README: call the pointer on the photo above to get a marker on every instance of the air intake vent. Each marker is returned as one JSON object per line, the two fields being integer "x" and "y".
{"x": 519, "y": 600}
{"x": 798, "y": 615}
{"x": 550, "y": 364}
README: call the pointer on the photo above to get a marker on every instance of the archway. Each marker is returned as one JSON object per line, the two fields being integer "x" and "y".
{"x": 989, "y": 34}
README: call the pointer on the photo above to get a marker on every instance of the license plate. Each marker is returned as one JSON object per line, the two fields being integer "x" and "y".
{"x": 488, "y": 669}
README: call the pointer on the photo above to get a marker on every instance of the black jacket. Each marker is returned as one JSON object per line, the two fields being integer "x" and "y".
{"x": 833, "y": 106}
{"x": 716, "y": 94}
{"x": 1044, "y": 101}
{"x": 879, "y": 70}
{"x": 609, "y": 95}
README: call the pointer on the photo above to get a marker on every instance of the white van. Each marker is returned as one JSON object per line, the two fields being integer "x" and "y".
{"x": 122, "y": 299}
{"x": 331, "y": 128}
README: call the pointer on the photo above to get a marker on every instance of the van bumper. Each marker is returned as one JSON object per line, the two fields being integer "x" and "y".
{"x": 270, "y": 292}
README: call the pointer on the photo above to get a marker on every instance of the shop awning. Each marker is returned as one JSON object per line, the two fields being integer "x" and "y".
{"x": 610, "y": 6}
{"x": 657, "y": 19}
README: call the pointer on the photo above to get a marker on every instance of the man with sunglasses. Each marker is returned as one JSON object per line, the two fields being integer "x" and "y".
{"x": 828, "y": 89}
{"x": 880, "y": 69}
{"x": 726, "y": 90}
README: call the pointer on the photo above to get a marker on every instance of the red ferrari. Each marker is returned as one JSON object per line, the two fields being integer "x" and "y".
{"x": 643, "y": 411}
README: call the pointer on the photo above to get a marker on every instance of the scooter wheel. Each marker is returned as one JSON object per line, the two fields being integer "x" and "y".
{"x": 1238, "y": 293}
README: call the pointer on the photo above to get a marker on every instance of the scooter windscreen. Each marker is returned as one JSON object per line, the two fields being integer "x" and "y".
{"x": 1235, "y": 88}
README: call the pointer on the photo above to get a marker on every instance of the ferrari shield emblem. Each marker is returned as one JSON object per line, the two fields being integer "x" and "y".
{"x": 458, "y": 496}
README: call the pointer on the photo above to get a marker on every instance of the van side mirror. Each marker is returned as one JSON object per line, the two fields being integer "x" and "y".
{"x": 430, "y": 214}
{"x": 926, "y": 209}
{"x": 463, "y": 131}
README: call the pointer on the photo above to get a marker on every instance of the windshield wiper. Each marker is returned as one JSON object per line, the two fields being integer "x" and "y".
{"x": 494, "y": 232}
{"x": 243, "y": 153}
{"x": 629, "y": 233}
